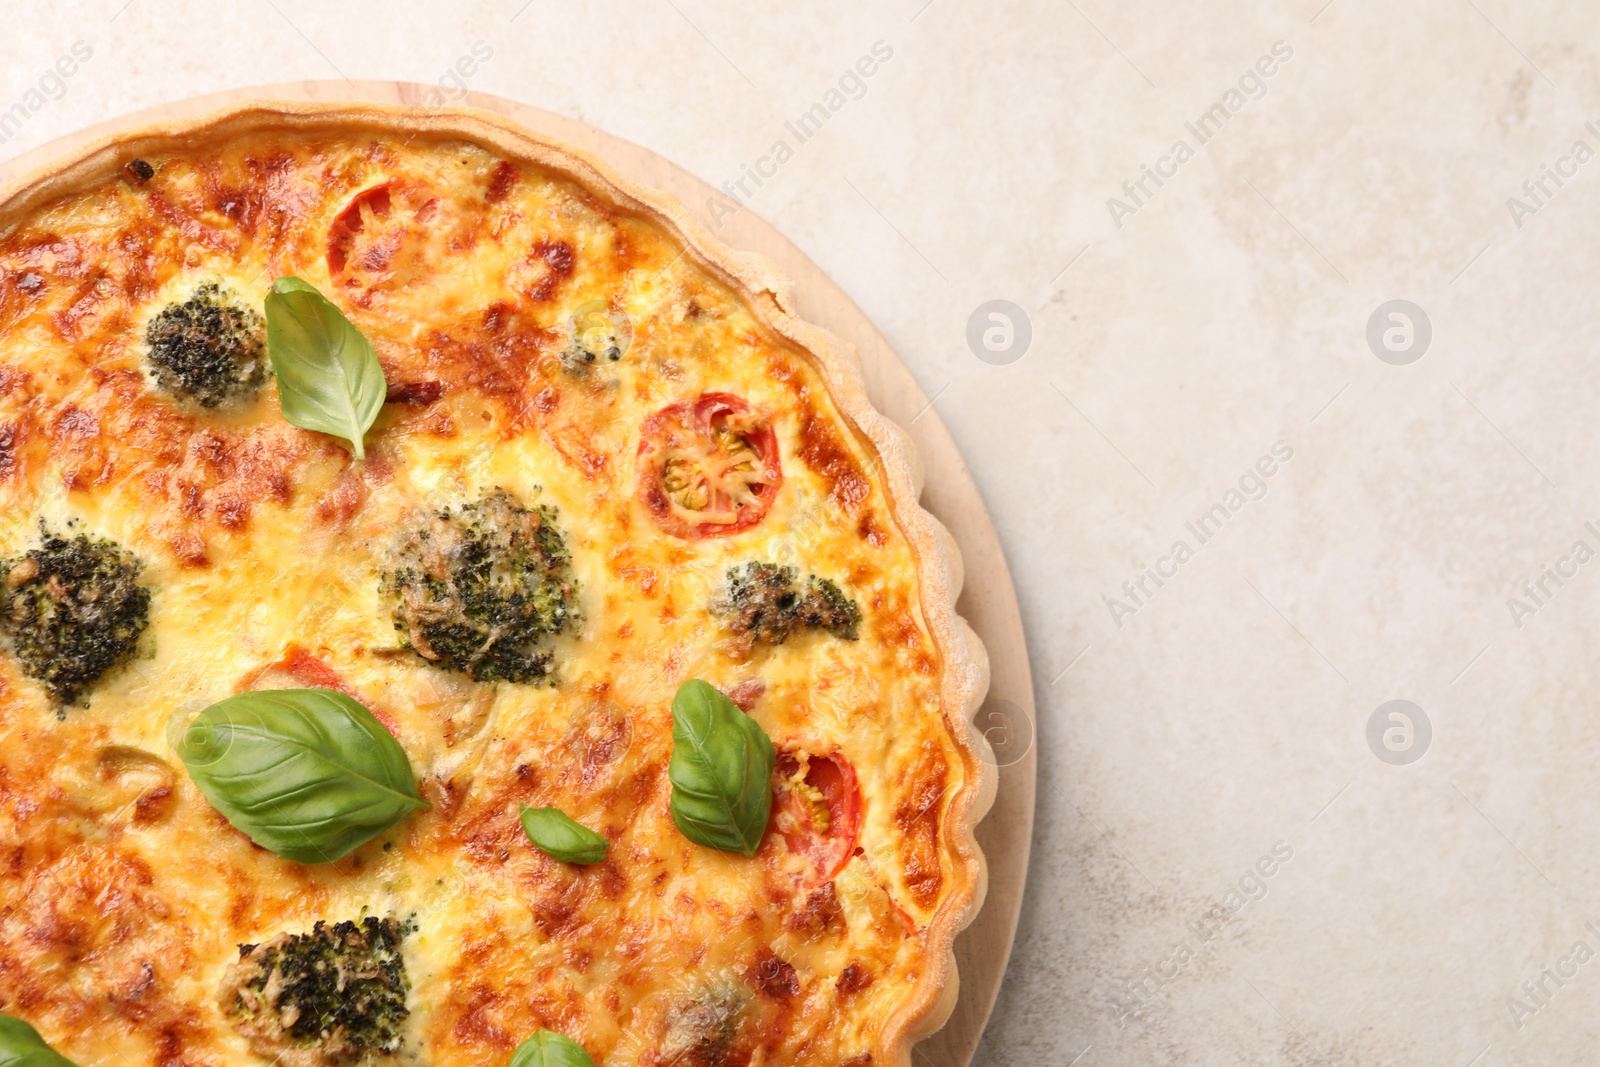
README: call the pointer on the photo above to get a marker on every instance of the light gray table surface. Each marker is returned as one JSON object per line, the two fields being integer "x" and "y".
{"x": 1225, "y": 715}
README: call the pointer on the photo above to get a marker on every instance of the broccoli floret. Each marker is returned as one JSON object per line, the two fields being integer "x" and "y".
{"x": 482, "y": 589}
{"x": 700, "y": 1032}
{"x": 326, "y": 997}
{"x": 824, "y": 606}
{"x": 73, "y": 609}
{"x": 759, "y": 602}
{"x": 578, "y": 357}
{"x": 763, "y": 605}
{"x": 208, "y": 349}
{"x": 594, "y": 335}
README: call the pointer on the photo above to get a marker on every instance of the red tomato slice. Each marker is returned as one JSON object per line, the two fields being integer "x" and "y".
{"x": 366, "y": 240}
{"x": 817, "y": 808}
{"x": 299, "y": 669}
{"x": 362, "y": 217}
{"x": 708, "y": 467}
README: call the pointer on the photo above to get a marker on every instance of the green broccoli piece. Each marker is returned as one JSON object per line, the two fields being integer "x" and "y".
{"x": 762, "y": 604}
{"x": 759, "y": 603}
{"x": 208, "y": 349}
{"x": 337, "y": 993}
{"x": 594, "y": 335}
{"x": 73, "y": 610}
{"x": 702, "y": 1031}
{"x": 824, "y": 606}
{"x": 483, "y": 588}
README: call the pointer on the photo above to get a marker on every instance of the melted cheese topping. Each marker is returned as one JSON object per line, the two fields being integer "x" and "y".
{"x": 124, "y": 895}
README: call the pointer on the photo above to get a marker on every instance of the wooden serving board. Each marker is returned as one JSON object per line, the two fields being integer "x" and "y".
{"x": 988, "y": 602}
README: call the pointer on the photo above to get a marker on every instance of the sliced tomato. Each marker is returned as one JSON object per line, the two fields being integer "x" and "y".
{"x": 708, "y": 467}
{"x": 365, "y": 240}
{"x": 817, "y": 808}
{"x": 299, "y": 669}
{"x": 361, "y": 218}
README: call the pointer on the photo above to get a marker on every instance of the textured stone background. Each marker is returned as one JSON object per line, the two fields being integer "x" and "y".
{"x": 1227, "y": 714}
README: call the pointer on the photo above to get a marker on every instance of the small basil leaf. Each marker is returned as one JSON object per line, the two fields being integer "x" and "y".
{"x": 21, "y": 1046}
{"x": 721, "y": 771}
{"x": 553, "y": 832}
{"x": 308, "y": 774}
{"x": 328, "y": 376}
{"x": 546, "y": 1048}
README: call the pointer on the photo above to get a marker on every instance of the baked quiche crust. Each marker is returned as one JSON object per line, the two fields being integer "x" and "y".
{"x": 476, "y": 255}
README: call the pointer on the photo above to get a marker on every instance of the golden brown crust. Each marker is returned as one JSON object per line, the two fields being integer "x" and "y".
{"x": 964, "y": 671}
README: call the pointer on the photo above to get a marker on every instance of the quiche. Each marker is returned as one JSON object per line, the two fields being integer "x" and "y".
{"x": 607, "y": 504}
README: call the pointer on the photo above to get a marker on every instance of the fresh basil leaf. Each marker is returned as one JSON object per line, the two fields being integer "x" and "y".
{"x": 546, "y": 1048}
{"x": 721, "y": 770}
{"x": 308, "y": 774}
{"x": 21, "y": 1046}
{"x": 328, "y": 376}
{"x": 555, "y": 833}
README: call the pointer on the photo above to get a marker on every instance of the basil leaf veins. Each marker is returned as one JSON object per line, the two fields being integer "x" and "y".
{"x": 308, "y": 774}
{"x": 328, "y": 375}
{"x": 546, "y": 1048}
{"x": 555, "y": 833}
{"x": 21, "y": 1046}
{"x": 721, "y": 770}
